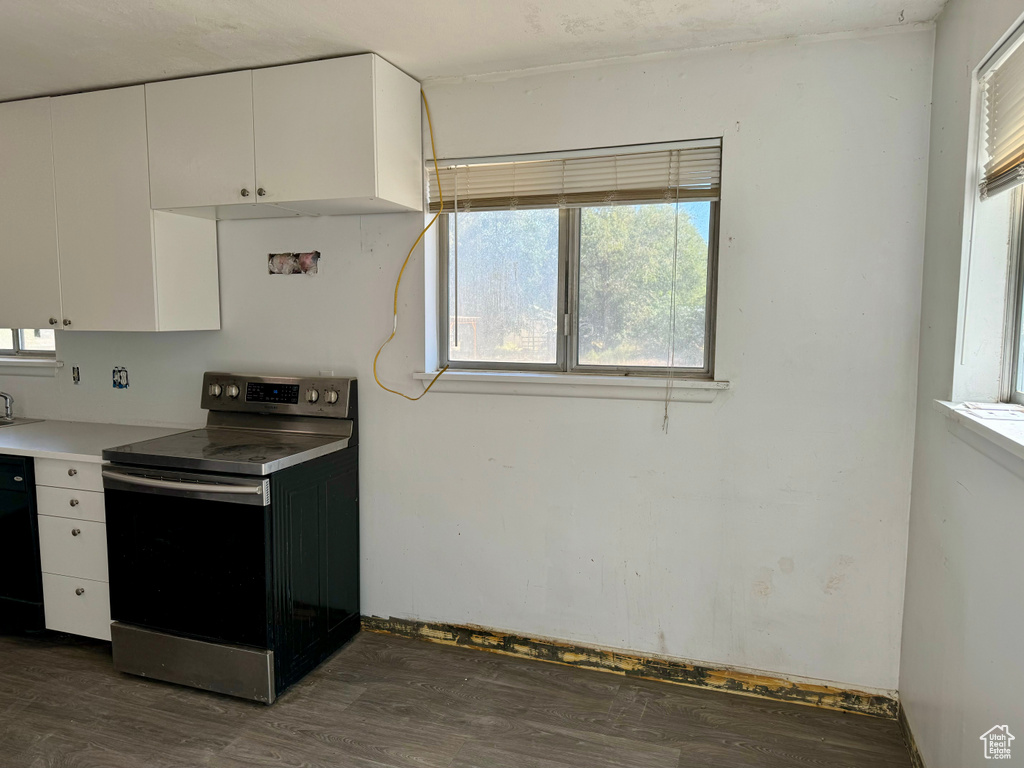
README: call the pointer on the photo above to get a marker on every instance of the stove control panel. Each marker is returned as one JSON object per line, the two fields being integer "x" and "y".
{"x": 326, "y": 397}
{"x": 266, "y": 392}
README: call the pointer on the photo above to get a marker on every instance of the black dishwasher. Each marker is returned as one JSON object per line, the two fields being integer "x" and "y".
{"x": 21, "y": 579}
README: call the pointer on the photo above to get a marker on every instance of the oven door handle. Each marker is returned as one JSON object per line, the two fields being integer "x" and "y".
{"x": 174, "y": 485}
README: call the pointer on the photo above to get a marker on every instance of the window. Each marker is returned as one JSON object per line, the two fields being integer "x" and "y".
{"x": 38, "y": 343}
{"x": 1001, "y": 171}
{"x": 1002, "y": 83}
{"x": 598, "y": 262}
{"x": 1013, "y": 353}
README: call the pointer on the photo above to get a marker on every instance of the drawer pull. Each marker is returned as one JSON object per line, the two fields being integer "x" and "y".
{"x": 73, "y": 502}
{"x": 76, "y": 531}
{"x": 80, "y": 591}
{"x": 72, "y": 472}
{"x": 18, "y": 478}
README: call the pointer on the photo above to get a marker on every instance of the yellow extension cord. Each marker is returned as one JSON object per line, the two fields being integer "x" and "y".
{"x": 398, "y": 282}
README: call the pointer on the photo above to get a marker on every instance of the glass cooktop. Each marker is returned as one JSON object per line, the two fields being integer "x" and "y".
{"x": 238, "y": 451}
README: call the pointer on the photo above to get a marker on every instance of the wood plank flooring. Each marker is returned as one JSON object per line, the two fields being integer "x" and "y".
{"x": 387, "y": 702}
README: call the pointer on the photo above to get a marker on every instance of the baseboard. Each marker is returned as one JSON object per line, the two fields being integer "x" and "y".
{"x": 908, "y": 738}
{"x": 646, "y": 667}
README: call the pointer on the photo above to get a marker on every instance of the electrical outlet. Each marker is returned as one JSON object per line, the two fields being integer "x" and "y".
{"x": 76, "y": 376}
{"x": 120, "y": 378}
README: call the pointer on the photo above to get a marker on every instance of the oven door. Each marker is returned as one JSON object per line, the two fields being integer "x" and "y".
{"x": 189, "y": 553}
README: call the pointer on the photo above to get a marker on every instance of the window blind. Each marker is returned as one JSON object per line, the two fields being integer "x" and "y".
{"x": 607, "y": 177}
{"x": 1004, "y": 123}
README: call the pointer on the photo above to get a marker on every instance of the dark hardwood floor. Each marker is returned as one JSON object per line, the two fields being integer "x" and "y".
{"x": 385, "y": 701}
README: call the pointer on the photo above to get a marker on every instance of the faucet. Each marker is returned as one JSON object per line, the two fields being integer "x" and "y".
{"x": 8, "y": 407}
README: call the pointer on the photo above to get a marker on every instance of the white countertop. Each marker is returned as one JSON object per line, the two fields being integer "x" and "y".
{"x": 73, "y": 440}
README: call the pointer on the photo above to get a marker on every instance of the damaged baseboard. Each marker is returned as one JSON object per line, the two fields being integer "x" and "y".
{"x": 646, "y": 667}
{"x": 908, "y": 738}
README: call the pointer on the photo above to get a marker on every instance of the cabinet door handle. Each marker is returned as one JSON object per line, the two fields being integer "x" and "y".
{"x": 66, "y": 322}
{"x": 53, "y": 321}
{"x": 245, "y": 193}
{"x": 72, "y": 472}
{"x": 73, "y": 502}
{"x": 76, "y": 531}
{"x": 80, "y": 591}
{"x": 261, "y": 191}
{"x": 18, "y": 478}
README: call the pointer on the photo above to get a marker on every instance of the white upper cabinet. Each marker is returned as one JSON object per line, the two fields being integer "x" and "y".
{"x": 338, "y": 136}
{"x": 314, "y": 130}
{"x": 109, "y": 199}
{"x": 325, "y": 137}
{"x": 201, "y": 150}
{"x": 30, "y": 285}
{"x": 398, "y": 146}
{"x": 103, "y": 223}
{"x": 114, "y": 250}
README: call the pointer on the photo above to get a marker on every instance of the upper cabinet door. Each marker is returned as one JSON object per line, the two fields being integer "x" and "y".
{"x": 30, "y": 284}
{"x": 104, "y": 222}
{"x": 314, "y": 126}
{"x": 201, "y": 141}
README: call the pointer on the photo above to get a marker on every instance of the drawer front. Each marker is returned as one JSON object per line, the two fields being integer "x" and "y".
{"x": 73, "y": 548}
{"x": 65, "y": 502}
{"x": 86, "y": 613}
{"x": 79, "y": 475}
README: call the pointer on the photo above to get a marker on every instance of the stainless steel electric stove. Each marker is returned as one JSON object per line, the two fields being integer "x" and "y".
{"x": 234, "y": 549}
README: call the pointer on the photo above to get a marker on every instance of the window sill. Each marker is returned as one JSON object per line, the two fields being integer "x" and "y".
{"x": 1002, "y": 441}
{"x": 573, "y": 385}
{"x": 29, "y": 366}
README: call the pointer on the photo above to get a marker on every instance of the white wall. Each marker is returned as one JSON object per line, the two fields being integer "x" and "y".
{"x": 766, "y": 530}
{"x": 961, "y": 671}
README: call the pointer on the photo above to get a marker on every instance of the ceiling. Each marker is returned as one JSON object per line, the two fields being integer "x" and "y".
{"x": 61, "y": 46}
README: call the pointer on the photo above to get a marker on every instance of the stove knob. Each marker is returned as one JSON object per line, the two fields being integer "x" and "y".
{"x": 231, "y": 391}
{"x": 215, "y": 390}
{"x": 312, "y": 395}
{"x": 331, "y": 396}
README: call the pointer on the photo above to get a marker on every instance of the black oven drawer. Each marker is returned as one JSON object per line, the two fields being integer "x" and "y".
{"x": 189, "y": 566}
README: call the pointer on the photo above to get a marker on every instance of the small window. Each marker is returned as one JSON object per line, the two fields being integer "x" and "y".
{"x": 585, "y": 264}
{"x": 1013, "y": 354}
{"x": 1002, "y": 84}
{"x": 504, "y": 288}
{"x": 1001, "y": 172}
{"x": 34, "y": 342}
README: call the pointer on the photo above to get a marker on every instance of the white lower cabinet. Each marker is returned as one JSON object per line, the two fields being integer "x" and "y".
{"x": 73, "y": 547}
{"x": 75, "y": 475}
{"x": 76, "y": 606}
{"x": 71, "y": 503}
